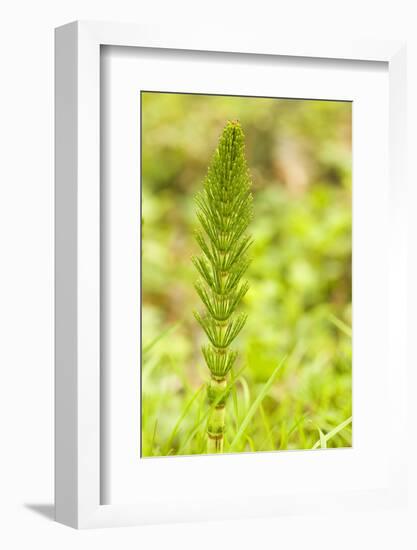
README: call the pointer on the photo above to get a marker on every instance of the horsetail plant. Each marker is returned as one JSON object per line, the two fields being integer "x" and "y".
{"x": 224, "y": 210}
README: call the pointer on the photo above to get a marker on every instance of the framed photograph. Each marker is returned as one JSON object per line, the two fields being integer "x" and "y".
{"x": 229, "y": 220}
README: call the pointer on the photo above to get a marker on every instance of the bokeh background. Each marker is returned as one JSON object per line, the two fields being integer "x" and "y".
{"x": 299, "y": 302}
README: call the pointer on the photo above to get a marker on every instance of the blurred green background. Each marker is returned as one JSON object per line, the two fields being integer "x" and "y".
{"x": 299, "y": 302}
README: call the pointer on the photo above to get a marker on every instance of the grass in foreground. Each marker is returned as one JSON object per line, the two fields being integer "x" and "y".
{"x": 261, "y": 417}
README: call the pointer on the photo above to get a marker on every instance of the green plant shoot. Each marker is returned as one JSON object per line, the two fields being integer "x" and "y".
{"x": 224, "y": 210}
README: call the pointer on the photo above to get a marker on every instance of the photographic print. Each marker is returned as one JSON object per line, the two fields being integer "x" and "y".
{"x": 246, "y": 262}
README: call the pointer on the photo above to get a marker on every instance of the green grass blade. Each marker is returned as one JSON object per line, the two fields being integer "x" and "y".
{"x": 152, "y": 343}
{"x": 296, "y": 424}
{"x": 251, "y": 443}
{"x": 254, "y": 407}
{"x": 181, "y": 418}
{"x": 284, "y": 441}
{"x": 267, "y": 427}
{"x": 323, "y": 443}
{"x": 235, "y": 398}
{"x": 245, "y": 393}
{"x": 154, "y": 436}
{"x": 263, "y": 445}
{"x": 333, "y": 432}
{"x": 343, "y": 327}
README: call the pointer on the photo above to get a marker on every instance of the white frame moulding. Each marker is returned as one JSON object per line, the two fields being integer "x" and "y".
{"x": 77, "y": 245}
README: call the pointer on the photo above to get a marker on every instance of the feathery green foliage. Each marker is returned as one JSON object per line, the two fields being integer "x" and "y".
{"x": 224, "y": 210}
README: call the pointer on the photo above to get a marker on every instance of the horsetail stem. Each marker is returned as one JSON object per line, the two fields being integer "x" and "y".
{"x": 224, "y": 210}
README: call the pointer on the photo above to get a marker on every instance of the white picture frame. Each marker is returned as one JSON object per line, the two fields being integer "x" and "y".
{"x": 78, "y": 407}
